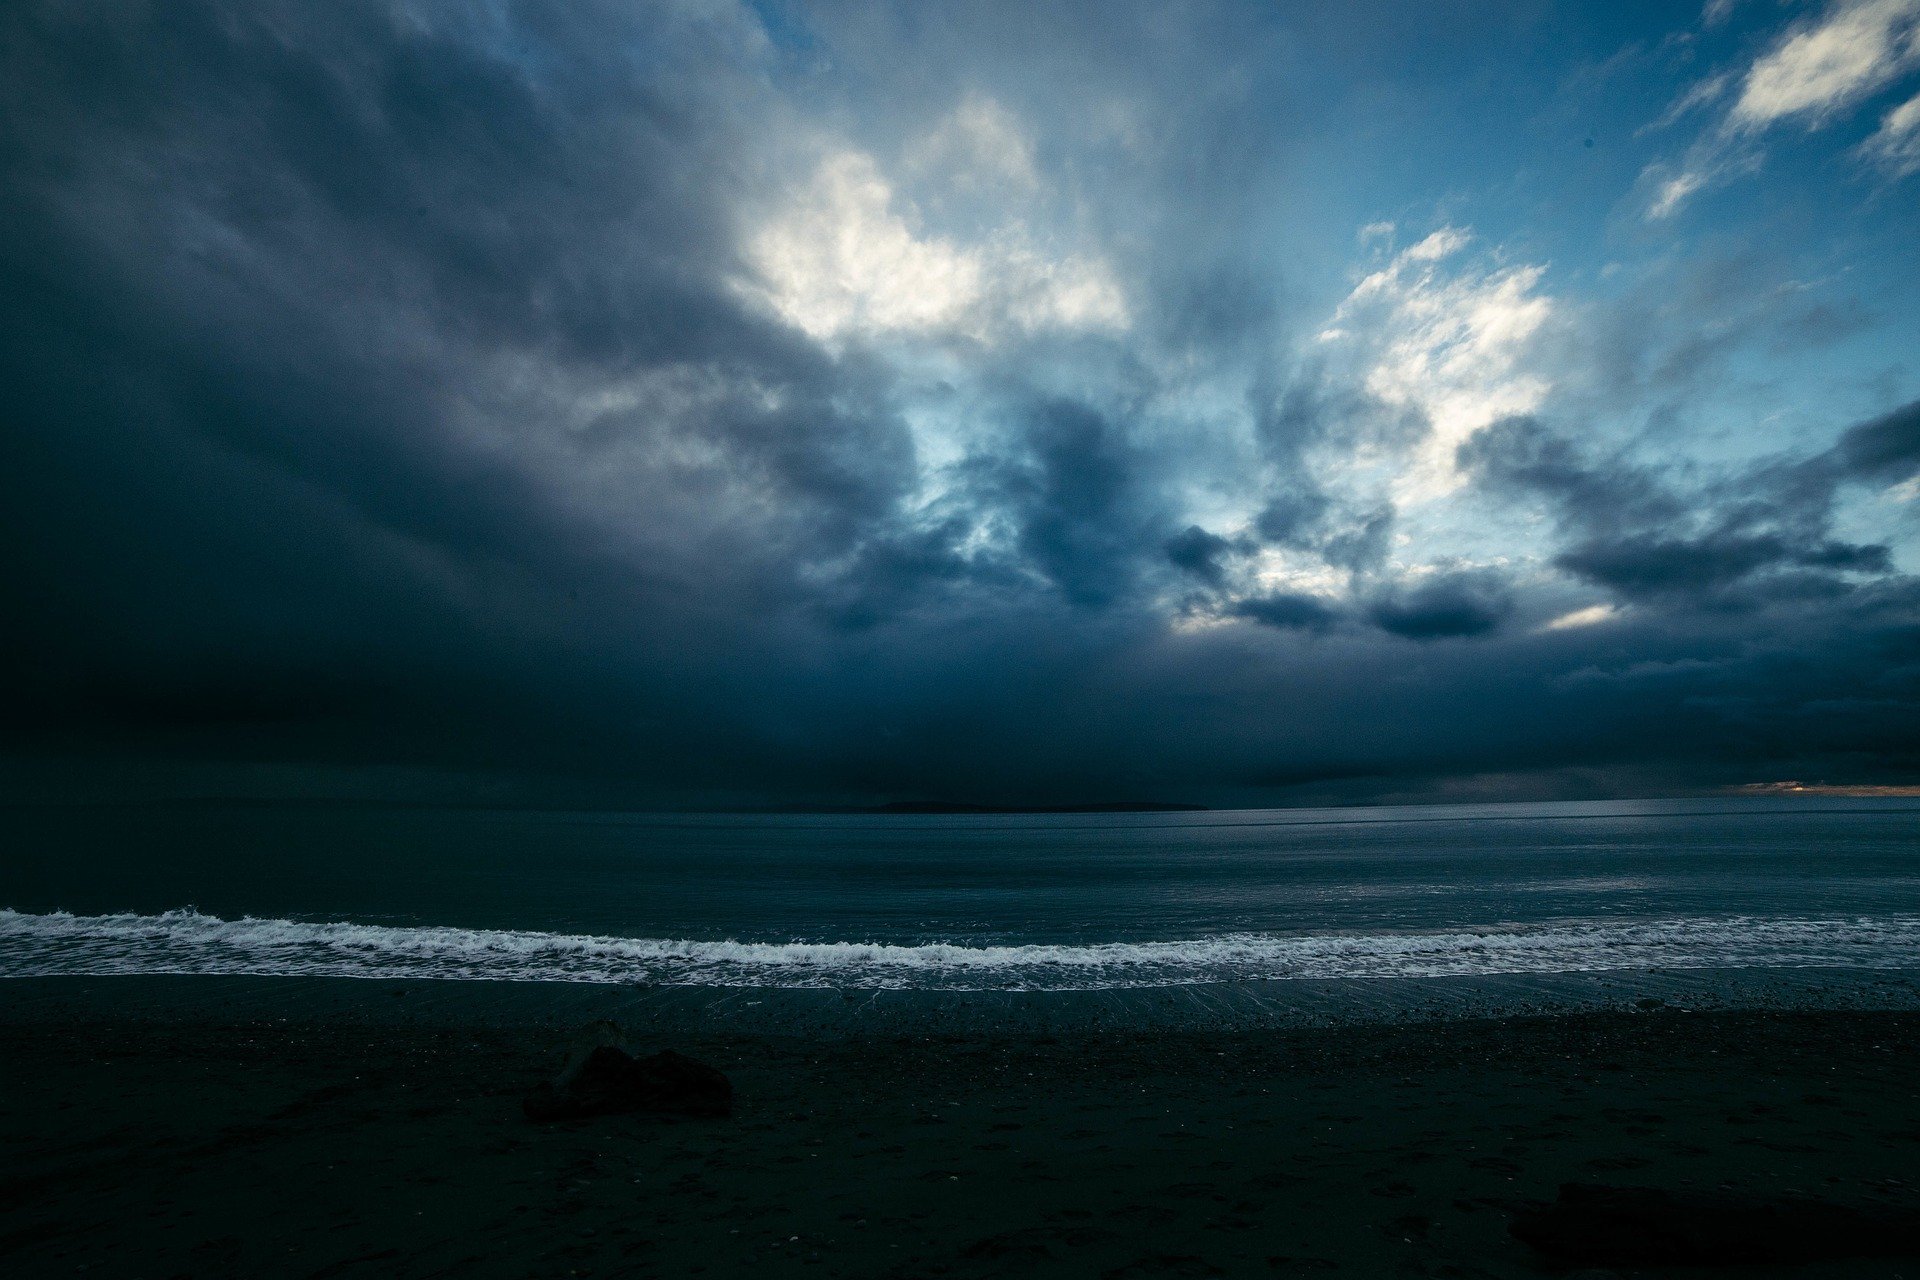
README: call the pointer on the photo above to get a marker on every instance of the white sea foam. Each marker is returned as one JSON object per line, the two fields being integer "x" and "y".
{"x": 186, "y": 941}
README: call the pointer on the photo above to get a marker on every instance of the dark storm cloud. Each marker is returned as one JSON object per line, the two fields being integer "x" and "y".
{"x": 1645, "y": 535}
{"x": 263, "y": 269}
{"x": 1652, "y": 566}
{"x": 1307, "y": 414}
{"x": 1200, "y": 553}
{"x": 1456, "y": 604}
{"x": 1302, "y": 518}
{"x": 303, "y": 311}
{"x": 1072, "y": 501}
{"x": 1288, "y": 611}
{"x": 1468, "y": 603}
{"x": 1886, "y": 449}
{"x": 384, "y": 394}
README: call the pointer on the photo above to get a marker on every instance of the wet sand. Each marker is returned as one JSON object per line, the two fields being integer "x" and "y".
{"x": 359, "y": 1147}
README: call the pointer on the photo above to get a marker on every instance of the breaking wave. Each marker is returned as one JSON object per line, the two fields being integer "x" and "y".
{"x": 187, "y": 942}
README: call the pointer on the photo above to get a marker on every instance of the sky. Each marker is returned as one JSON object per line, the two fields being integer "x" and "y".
{"x": 714, "y": 404}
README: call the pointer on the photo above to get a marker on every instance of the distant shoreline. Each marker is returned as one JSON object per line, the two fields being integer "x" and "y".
{"x": 954, "y": 807}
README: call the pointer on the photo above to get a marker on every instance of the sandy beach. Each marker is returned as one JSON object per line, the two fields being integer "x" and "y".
{"x": 330, "y": 1147}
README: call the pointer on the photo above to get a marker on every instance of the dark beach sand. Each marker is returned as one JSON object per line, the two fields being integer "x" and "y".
{"x": 271, "y": 1145}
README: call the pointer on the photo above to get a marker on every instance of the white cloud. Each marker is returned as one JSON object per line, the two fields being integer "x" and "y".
{"x": 1450, "y": 344}
{"x": 1673, "y": 192}
{"x": 1895, "y": 146}
{"x": 1279, "y": 570}
{"x": 1707, "y": 163}
{"x": 1854, "y": 49}
{"x": 1591, "y": 616}
{"x": 845, "y": 257}
{"x": 981, "y": 144}
{"x": 1442, "y": 243}
{"x": 1700, "y": 94}
{"x": 1814, "y": 72}
{"x": 840, "y": 258}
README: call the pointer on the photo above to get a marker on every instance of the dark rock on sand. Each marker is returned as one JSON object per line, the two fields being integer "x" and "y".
{"x": 1605, "y": 1226}
{"x": 610, "y": 1081}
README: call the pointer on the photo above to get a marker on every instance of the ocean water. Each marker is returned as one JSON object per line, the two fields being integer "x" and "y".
{"x": 966, "y": 903}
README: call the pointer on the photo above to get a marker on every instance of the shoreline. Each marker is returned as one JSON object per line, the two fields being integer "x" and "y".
{"x": 1230, "y": 1007}
{"x": 385, "y": 1138}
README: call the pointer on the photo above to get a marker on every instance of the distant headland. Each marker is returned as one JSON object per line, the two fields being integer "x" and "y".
{"x": 1110, "y": 806}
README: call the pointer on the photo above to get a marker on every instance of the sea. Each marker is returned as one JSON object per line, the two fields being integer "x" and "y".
{"x": 1776, "y": 893}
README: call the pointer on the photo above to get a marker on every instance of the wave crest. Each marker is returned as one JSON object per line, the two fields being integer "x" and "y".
{"x": 186, "y": 941}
